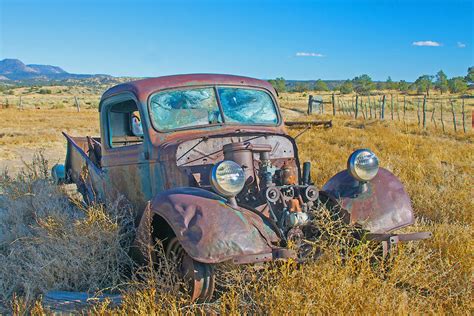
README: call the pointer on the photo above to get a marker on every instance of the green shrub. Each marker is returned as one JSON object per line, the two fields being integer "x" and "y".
{"x": 44, "y": 91}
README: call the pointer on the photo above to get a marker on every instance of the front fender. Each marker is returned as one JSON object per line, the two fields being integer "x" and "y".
{"x": 209, "y": 230}
{"x": 384, "y": 206}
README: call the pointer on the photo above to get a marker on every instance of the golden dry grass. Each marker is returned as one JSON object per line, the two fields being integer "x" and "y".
{"x": 433, "y": 276}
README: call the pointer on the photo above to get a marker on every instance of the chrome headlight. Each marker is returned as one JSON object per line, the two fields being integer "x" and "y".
{"x": 363, "y": 165}
{"x": 227, "y": 178}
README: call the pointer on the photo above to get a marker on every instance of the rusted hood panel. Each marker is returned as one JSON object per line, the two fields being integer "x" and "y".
{"x": 169, "y": 139}
{"x": 209, "y": 229}
{"x": 383, "y": 207}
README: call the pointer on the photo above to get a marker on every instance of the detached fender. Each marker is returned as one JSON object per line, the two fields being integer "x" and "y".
{"x": 384, "y": 205}
{"x": 209, "y": 230}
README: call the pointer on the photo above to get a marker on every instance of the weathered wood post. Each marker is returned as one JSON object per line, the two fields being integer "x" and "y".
{"x": 366, "y": 113}
{"x": 404, "y": 107}
{"x": 20, "y": 104}
{"x": 463, "y": 117}
{"x": 351, "y": 108}
{"x": 424, "y": 112}
{"x": 76, "y": 102}
{"x": 391, "y": 106}
{"x": 418, "y": 112}
{"x": 382, "y": 110}
{"x": 333, "y": 105}
{"x": 397, "y": 108}
{"x": 357, "y": 106}
{"x": 454, "y": 116}
{"x": 442, "y": 121}
{"x": 310, "y": 105}
{"x": 370, "y": 107}
{"x": 376, "y": 104}
{"x": 433, "y": 115}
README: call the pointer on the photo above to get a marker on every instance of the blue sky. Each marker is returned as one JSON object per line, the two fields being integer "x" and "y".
{"x": 265, "y": 39}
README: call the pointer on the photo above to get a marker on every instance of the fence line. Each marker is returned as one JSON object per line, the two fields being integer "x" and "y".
{"x": 427, "y": 110}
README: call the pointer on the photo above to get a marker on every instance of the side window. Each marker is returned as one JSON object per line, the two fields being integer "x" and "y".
{"x": 125, "y": 125}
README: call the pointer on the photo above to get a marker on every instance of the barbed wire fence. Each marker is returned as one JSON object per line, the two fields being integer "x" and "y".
{"x": 441, "y": 112}
{"x": 55, "y": 102}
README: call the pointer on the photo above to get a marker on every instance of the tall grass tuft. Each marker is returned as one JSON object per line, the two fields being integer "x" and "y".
{"x": 50, "y": 242}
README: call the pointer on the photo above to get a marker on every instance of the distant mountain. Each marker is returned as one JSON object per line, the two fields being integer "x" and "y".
{"x": 47, "y": 69}
{"x": 15, "y": 69}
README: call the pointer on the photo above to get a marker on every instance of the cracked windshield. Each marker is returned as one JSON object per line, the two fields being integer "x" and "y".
{"x": 197, "y": 107}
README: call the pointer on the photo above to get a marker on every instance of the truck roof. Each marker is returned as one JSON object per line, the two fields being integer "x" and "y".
{"x": 143, "y": 88}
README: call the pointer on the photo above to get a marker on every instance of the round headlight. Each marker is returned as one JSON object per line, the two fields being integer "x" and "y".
{"x": 227, "y": 178}
{"x": 363, "y": 165}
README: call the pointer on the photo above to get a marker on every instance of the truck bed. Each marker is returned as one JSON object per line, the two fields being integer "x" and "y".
{"x": 83, "y": 167}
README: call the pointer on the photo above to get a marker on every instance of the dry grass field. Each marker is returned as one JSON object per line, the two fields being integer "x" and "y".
{"x": 47, "y": 242}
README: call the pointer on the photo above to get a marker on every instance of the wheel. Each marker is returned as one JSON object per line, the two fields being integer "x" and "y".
{"x": 199, "y": 277}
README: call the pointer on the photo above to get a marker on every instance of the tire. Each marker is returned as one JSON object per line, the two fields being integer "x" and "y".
{"x": 199, "y": 277}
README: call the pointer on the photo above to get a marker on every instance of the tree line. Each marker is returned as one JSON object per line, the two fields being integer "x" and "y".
{"x": 363, "y": 84}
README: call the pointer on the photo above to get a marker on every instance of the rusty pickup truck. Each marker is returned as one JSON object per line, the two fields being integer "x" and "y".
{"x": 210, "y": 171}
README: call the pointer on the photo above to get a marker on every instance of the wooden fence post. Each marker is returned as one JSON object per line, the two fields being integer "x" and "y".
{"x": 454, "y": 116}
{"x": 370, "y": 106}
{"x": 433, "y": 115}
{"x": 376, "y": 107}
{"x": 366, "y": 113}
{"x": 391, "y": 106}
{"x": 20, "y": 104}
{"x": 77, "y": 104}
{"x": 418, "y": 111}
{"x": 424, "y": 112}
{"x": 404, "y": 107}
{"x": 442, "y": 122}
{"x": 397, "y": 107}
{"x": 352, "y": 106}
{"x": 310, "y": 105}
{"x": 357, "y": 106}
{"x": 333, "y": 106}
{"x": 463, "y": 117}
{"x": 382, "y": 110}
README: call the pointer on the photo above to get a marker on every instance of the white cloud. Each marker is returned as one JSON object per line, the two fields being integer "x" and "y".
{"x": 461, "y": 45}
{"x": 426, "y": 43}
{"x": 306, "y": 54}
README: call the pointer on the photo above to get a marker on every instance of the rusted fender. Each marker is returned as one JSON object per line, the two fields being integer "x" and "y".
{"x": 384, "y": 205}
{"x": 209, "y": 230}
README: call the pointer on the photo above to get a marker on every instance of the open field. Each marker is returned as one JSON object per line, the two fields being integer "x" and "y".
{"x": 433, "y": 276}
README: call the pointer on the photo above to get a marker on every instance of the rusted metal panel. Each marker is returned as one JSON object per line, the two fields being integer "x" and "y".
{"x": 81, "y": 170}
{"x": 207, "y": 227}
{"x": 383, "y": 207}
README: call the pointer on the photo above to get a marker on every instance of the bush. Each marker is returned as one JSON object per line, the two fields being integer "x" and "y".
{"x": 44, "y": 91}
